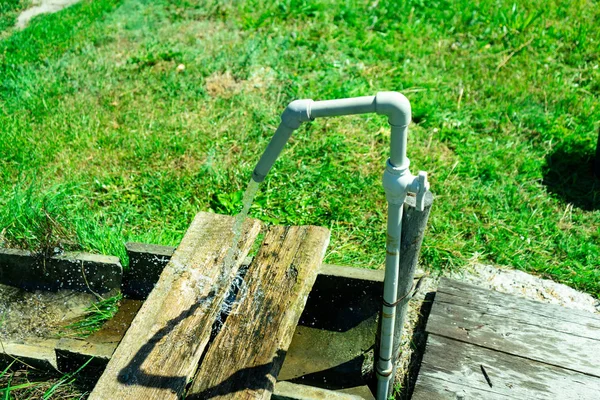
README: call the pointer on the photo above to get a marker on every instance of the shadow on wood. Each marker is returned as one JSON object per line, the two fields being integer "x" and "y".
{"x": 244, "y": 380}
{"x": 133, "y": 374}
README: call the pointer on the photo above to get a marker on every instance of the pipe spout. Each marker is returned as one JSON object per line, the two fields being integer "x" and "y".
{"x": 297, "y": 112}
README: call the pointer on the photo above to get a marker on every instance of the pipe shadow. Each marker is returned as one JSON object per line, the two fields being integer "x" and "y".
{"x": 132, "y": 373}
{"x": 260, "y": 377}
{"x": 342, "y": 376}
{"x": 569, "y": 175}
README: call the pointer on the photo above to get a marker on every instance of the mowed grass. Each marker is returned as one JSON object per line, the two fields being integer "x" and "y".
{"x": 120, "y": 119}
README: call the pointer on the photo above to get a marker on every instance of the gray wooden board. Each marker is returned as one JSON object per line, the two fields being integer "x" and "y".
{"x": 451, "y": 369}
{"x": 512, "y": 334}
{"x": 521, "y": 314}
{"x": 474, "y": 295}
{"x": 437, "y": 389}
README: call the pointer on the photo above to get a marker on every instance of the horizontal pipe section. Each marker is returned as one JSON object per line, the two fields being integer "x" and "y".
{"x": 334, "y": 108}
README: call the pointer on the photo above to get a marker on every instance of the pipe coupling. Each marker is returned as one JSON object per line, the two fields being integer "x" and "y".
{"x": 398, "y": 182}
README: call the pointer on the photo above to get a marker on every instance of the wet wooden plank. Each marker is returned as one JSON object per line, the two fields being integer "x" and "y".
{"x": 160, "y": 351}
{"x": 246, "y": 356}
{"x": 519, "y": 333}
{"x": 451, "y": 369}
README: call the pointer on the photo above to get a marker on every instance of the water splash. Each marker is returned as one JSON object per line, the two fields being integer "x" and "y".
{"x": 247, "y": 200}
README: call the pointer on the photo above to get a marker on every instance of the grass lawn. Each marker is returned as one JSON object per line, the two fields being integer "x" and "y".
{"x": 9, "y": 10}
{"x": 120, "y": 119}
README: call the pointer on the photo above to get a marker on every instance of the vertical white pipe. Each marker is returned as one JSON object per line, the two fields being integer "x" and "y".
{"x": 385, "y": 363}
{"x": 398, "y": 140}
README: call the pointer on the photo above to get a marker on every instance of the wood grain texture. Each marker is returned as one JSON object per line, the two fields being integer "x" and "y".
{"x": 519, "y": 332}
{"x": 246, "y": 356}
{"x": 476, "y": 295}
{"x": 414, "y": 224}
{"x": 451, "y": 369}
{"x": 160, "y": 351}
{"x": 437, "y": 389}
{"x": 536, "y": 316}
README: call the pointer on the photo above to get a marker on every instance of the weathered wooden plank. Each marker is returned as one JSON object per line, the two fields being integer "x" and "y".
{"x": 430, "y": 388}
{"x": 478, "y": 295}
{"x": 82, "y": 272}
{"x": 448, "y": 360}
{"x": 513, "y": 311}
{"x": 515, "y": 336}
{"x": 146, "y": 263}
{"x": 245, "y": 358}
{"x": 161, "y": 349}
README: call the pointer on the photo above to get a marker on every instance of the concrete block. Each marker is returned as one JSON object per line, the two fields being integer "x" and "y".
{"x": 146, "y": 262}
{"x": 292, "y": 391}
{"x": 82, "y": 272}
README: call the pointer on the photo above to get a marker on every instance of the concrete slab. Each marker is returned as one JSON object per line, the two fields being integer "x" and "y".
{"x": 334, "y": 342}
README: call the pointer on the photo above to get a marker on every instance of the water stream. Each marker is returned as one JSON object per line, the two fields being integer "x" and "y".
{"x": 247, "y": 200}
{"x": 238, "y": 290}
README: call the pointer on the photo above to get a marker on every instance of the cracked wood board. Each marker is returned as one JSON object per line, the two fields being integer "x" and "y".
{"x": 160, "y": 351}
{"x": 244, "y": 360}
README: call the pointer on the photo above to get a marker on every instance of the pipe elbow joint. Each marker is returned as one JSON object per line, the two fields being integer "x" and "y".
{"x": 297, "y": 112}
{"x": 395, "y": 106}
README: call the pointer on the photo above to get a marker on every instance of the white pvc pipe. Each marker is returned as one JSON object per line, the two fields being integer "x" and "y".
{"x": 384, "y": 365}
{"x": 333, "y": 108}
{"x": 397, "y": 182}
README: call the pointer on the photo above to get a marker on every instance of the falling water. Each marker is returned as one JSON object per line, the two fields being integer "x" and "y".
{"x": 233, "y": 251}
{"x": 238, "y": 289}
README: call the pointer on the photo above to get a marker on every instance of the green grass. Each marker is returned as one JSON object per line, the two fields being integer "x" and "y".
{"x": 111, "y": 141}
{"x": 96, "y": 315}
{"x": 9, "y": 11}
{"x": 29, "y": 383}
